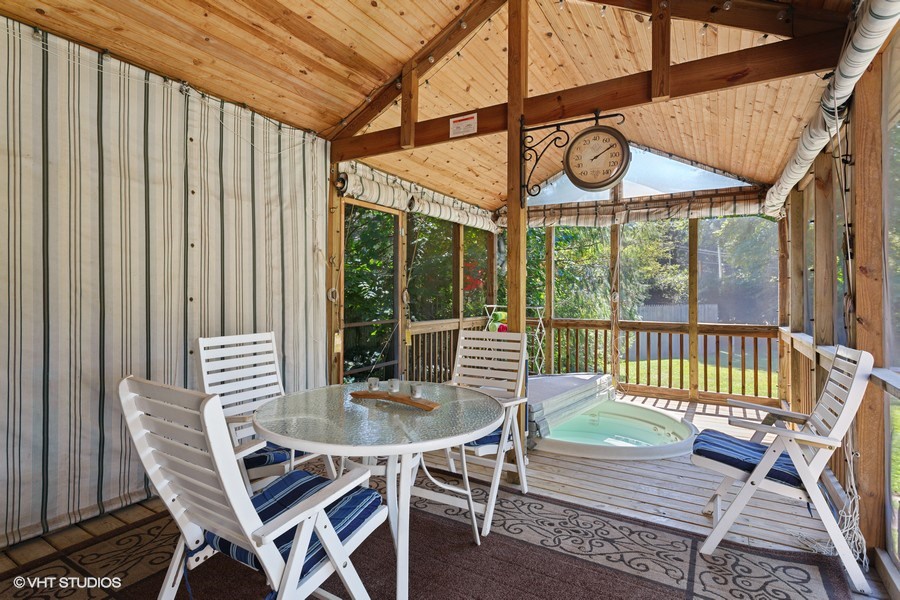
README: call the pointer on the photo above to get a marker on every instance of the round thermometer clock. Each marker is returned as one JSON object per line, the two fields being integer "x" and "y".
{"x": 597, "y": 158}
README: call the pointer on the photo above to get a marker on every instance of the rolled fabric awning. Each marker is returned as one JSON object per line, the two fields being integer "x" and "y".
{"x": 362, "y": 182}
{"x": 875, "y": 21}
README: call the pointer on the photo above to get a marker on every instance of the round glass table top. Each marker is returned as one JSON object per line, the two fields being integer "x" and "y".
{"x": 330, "y": 421}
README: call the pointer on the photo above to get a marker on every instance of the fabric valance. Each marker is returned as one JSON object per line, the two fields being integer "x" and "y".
{"x": 688, "y": 205}
{"x": 362, "y": 182}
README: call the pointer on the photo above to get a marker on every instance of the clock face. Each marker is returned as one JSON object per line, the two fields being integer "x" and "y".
{"x": 597, "y": 158}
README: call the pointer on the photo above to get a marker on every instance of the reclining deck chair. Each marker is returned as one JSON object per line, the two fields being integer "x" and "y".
{"x": 792, "y": 464}
{"x": 244, "y": 371}
{"x": 297, "y": 531}
{"x": 495, "y": 364}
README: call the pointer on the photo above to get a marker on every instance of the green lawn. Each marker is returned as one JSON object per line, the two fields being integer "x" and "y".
{"x": 659, "y": 372}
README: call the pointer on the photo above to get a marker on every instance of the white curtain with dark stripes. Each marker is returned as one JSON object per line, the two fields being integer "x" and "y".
{"x": 136, "y": 216}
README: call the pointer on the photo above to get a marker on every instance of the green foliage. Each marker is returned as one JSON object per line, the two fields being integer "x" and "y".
{"x": 475, "y": 270}
{"x": 368, "y": 265}
{"x": 430, "y": 268}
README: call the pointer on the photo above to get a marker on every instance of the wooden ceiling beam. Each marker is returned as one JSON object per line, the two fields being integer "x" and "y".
{"x": 409, "y": 108}
{"x": 661, "y": 60}
{"x": 775, "y": 18}
{"x": 440, "y": 46}
{"x": 770, "y": 62}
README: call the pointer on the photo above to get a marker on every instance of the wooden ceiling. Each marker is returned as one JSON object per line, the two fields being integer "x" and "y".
{"x": 314, "y": 63}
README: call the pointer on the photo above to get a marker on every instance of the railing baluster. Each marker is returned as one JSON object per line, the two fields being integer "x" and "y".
{"x": 718, "y": 370}
{"x": 627, "y": 358}
{"x": 681, "y": 360}
{"x": 649, "y": 353}
{"x": 596, "y": 349}
{"x": 606, "y": 366}
{"x": 743, "y": 364}
{"x": 756, "y": 366}
{"x": 658, "y": 359}
{"x": 577, "y": 349}
{"x": 557, "y": 333}
{"x": 730, "y": 364}
{"x": 586, "y": 334}
{"x": 670, "y": 378}
{"x": 769, "y": 365}
{"x": 706, "y": 362}
{"x": 637, "y": 357}
{"x": 568, "y": 345}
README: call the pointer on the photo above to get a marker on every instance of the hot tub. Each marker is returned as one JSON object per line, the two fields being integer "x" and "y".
{"x": 577, "y": 415}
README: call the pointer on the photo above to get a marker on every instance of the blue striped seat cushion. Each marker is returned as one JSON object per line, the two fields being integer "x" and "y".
{"x": 347, "y": 515}
{"x": 744, "y": 455}
{"x": 272, "y": 454}
{"x": 491, "y": 439}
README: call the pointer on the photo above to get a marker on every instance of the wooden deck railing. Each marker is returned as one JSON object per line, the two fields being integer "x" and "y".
{"x": 736, "y": 361}
{"x": 733, "y": 361}
{"x": 430, "y": 355}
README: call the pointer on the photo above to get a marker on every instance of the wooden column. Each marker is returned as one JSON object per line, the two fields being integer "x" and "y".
{"x": 693, "y": 299}
{"x": 662, "y": 49}
{"x": 334, "y": 281}
{"x": 402, "y": 280}
{"x": 549, "y": 295}
{"x": 824, "y": 283}
{"x": 614, "y": 300}
{"x": 490, "y": 291}
{"x": 796, "y": 229}
{"x": 517, "y": 215}
{"x": 784, "y": 304}
{"x": 458, "y": 275}
{"x": 869, "y": 248}
{"x": 409, "y": 107}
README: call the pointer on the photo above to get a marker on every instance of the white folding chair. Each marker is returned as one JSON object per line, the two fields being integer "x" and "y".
{"x": 495, "y": 364}
{"x": 244, "y": 371}
{"x": 297, "y": 531}
{"x": 793, "y": 463}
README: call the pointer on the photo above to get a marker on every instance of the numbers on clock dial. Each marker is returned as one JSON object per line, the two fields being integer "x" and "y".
{"x": 595, "y": 157}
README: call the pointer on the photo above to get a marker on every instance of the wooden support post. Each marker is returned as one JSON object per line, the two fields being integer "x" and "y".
{"x": 661, "y": 22}
{"x": 797, "y": 227}
{"x": 784, "y": 309}
{"x": 693, "y": 299}
{"x": 409, "y": 107}
{"x": 549, "y": 294}
{"x": 517, "y": 216}
{"x": 458, "y": 274}
{"x": 402, "y": 280}
{"x": 869, "y": 249}
{"x": 824, "y": 283}
{"x": 490, "y": 292}
{"x": 517, "y": 213}
{"x": 334, "y": 281}
{"x": 614, "y": 299}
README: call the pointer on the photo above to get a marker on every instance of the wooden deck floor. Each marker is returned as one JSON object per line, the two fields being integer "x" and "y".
{"x": 672, "y": 492}
{"x": 669, "y": 492}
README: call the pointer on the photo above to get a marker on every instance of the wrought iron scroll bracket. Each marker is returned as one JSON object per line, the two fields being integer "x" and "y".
{"x": 535, "y": 146}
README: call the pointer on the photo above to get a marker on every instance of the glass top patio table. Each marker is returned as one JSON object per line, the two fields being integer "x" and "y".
{"x": 329, "y": 421}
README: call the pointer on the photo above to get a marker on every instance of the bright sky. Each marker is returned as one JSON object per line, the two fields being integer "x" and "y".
{"x": 649, "y": 174}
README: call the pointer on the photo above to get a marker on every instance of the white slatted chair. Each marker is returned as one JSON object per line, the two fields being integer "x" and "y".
{"x": 244, "y": 371}
{"x": 493, "y": 363}
{"x": 297, "y": 531}
{"x": 793, "y": 463}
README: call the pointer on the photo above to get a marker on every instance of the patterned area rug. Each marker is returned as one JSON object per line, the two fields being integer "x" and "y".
{"x": 539, "y": 548}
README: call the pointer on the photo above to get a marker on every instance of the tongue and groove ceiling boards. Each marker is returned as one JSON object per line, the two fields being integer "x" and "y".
{"x": 331, "y": 66}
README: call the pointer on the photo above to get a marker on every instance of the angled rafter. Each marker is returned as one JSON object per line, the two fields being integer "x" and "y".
{"x": 790, "y": 58}
{"x": 776, "y": 18}
{"x": 442, "y": 44}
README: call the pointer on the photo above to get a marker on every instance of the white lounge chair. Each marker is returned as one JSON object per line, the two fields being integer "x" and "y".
{"x": 494, "y": 363}
{"x": 244, "y": 371}
{"x": 792, "y": 464}
{"x": 297, "y": 531}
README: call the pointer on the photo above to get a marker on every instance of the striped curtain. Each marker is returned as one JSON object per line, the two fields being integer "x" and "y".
{"x": 137, "y": 216}
{"x": 362, "y": 182}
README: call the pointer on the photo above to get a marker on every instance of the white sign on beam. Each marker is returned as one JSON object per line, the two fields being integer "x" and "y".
{"x": 464, "y": 125}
